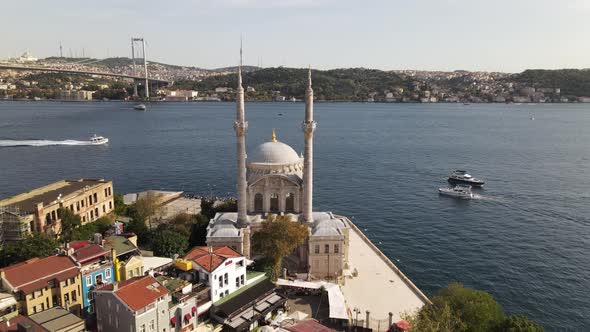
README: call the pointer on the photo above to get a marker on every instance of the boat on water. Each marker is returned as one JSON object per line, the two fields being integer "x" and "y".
{"x": 460, "y": 177}
{"x": 139, "y": 107}
{"x": 463, "y": 192}
{"x": 98, "y": 140}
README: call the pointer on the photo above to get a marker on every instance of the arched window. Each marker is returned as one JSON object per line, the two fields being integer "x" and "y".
{"x": 290, "y": 202}
{"x": 258, "y": 202}
{"x": 274, "y": 202}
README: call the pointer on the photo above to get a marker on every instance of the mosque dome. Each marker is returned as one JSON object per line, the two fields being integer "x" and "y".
{"x": 274, "y": 153}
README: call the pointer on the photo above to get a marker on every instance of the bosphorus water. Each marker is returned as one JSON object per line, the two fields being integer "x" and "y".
{"x": 524, "y": 239}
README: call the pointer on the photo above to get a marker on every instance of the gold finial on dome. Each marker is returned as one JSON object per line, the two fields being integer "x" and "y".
{"x": 274, "y": 136}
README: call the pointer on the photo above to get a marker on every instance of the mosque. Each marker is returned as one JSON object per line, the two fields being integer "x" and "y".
{"x": 274, "y": 179}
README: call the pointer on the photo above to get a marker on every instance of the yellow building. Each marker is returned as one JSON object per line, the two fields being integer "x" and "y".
{"x": 37, "y": 210}
{"x": 133, "y": 267}
{"x": 41, "y": 284}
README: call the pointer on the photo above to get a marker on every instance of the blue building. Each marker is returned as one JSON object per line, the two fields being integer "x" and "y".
{"x": 96, "y": 269}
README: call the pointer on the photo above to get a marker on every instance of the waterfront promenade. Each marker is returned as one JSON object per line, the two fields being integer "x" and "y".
{"x": 380, "y": 286}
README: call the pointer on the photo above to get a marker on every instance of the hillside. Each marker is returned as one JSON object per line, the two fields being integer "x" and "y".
{"x": 574, "y": 82}
{"x": 337, "y": 84}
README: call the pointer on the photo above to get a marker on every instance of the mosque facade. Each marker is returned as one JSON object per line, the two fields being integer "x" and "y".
{"x": 274, "y": 179}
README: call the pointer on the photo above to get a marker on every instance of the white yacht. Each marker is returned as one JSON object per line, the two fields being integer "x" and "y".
{"x": 457, "y": 191}
{"x": 139, "y": 107}
{"x": 462, "y": 177}
{"x": 98, "y": 140}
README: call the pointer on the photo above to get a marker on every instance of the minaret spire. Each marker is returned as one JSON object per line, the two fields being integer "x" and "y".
{"x": 240, "y": 127}
{"x": 308, "y": 127}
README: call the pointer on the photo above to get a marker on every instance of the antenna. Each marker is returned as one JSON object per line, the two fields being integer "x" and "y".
{"x": 61, "y": 50}
{"x": 240, "y": 50}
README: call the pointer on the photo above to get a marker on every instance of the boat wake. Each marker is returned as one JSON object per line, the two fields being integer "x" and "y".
{"x": 41, "y": 142}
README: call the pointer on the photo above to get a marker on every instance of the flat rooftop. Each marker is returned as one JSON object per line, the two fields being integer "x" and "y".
{"x": 26, "y": 202}
{"x": 58, "y": 319}
{"x": 379, "y": 287}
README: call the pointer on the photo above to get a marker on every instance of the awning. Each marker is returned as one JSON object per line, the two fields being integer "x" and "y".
{"x": 193, "y": 309}
{"x": 187, "y": 316}
{"x": 173, "y": 321}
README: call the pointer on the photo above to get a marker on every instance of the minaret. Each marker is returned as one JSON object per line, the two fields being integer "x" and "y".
{"x": 241, "y": 126}
{"x": 308, "y": 126}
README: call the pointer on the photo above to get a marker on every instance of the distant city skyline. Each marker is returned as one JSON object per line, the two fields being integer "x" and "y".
{"x": 475, "y": 35}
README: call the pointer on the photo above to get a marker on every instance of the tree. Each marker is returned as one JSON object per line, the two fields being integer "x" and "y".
{"x": 120, "y": 208}
{"x": 277, "y": 238}
{"x": 519, "y": 323}
{"x": 477, "y": 309}
{"x": 168, "y": 242}
{"x": 69, "y": 222}
{"x": 436, "y": 318}
{"x": 138, "y": 226}
{"x": 148, "y": 206}
{"x": 37, "y": 245}
{"x": 207, "y": 208}
{"x": 198, "y": 235}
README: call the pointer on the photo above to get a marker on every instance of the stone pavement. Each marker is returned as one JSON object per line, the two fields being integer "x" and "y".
{"x": 377, "y": 288}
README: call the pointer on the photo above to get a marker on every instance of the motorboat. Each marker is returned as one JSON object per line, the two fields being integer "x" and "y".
{"x": 462, "y": 177}
{"x": 139, "y": 107}
{"x": 459, "y": 191}
{"x": 98, "y": 140}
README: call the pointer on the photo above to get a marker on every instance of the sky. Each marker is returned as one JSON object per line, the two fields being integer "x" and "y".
{"x": 498, "y": 35}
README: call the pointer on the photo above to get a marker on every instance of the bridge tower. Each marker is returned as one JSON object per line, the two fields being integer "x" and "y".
{"x": 143, "y": 54}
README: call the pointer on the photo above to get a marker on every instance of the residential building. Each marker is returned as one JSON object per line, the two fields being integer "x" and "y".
{"x": 140, "y": 304}
{"x": 37, "y": 210}
{"x": 20, "y": 323}
{"x": 184, "y": 307}
{"x": 8, "y": 306}
{"x": 58, "y": 320}
{"x": 222, "y": 268}
{"x": 43, "y": 283}
{"x": 76, "y": 95}
{"x": 125, "y": 254}
{"x": 222, "y": 90}
{"x": 96, "y": 270}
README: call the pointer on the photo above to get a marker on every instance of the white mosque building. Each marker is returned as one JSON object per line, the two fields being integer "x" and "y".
{"x": 274, "y": 179}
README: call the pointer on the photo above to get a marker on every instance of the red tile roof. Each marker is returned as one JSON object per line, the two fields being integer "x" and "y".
{"x": 36, "y": 273}
{"x": 20, "y": 319}
{"x": 139, "y": 292}
{"x": 89, "y": 252}
{"x": 210, "y": 260}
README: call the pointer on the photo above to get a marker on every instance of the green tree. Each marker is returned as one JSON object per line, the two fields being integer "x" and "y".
{"x": 69, "y": 223}
{"x": 120, "y": 208}
{"x": 148, "y": 206}
{"x": 436, "y": 318}
{"x": 519, "y": 323}
{"x": 37, "y": 245}
{"x": 168, "y": 242}
{"x": 277, "y": 238}
{"x": 138, "y": 226}
{"x": 207, "y": 208}
{"x": 198, "y": 235}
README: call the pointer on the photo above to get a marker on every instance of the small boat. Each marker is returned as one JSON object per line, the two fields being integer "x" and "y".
{"x": 462, "y": 177}
{"x": 463, "y": 192}
{"x": 139, "y": 107}
{"x": 466, "y": 104}
{"x": 533, "y": 117}
{"x": 280, "y": 114}
{"x": 98, "y": 140}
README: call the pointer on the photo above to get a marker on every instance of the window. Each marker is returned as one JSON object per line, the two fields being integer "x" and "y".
{"x": 220, "y": 283}
{"x": 72, "y": 207}
{"x": 225, "y": 279}
{"x": 110, "y": 192}
{"x": 290, "y": 202}
{"x": 91, "y": 308}
{"x": 142, "y": 328}
{"x": 82, "y": 203}
{"x": 55, "y": 300}
{"x": 110, "y": 205}
{"x": 326, "y": 248}
{"x": 258, "y": 202}
{"x": 152, "y": 325}
{"x": 237, "y": 282}
{"x": 106, "y": 192}
{"x": 130, "y": 273}
{"x": 107, "y": 273}
{"x": 77, "y": 206}
{"x": 227, "y": 292}
{"x": 73, "y": 294}
{"x": 42, "y": 306}
{"x": 90, "y": 295}
{"x": 66, "y": 298}
{"x": 242, "y": 279}
{"x": 66, "y": 282}
{"x": 104, "y": 208}
{"x": 95, "y": 197}
{"x": 98, "y": 278}
{"x": 91, "y": 214}
{"x": 274, "y": 202}
{"x": 336, "y": 249}
{"x": 89, "y": 200}
{"x": 83, "y": 218}
{"x": 317, "y": 249}
{"x": 96, "y": 212}
{"x": 89, "y": 280}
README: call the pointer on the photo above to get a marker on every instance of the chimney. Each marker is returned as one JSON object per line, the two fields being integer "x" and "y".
{"x": 98, "y": 238}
